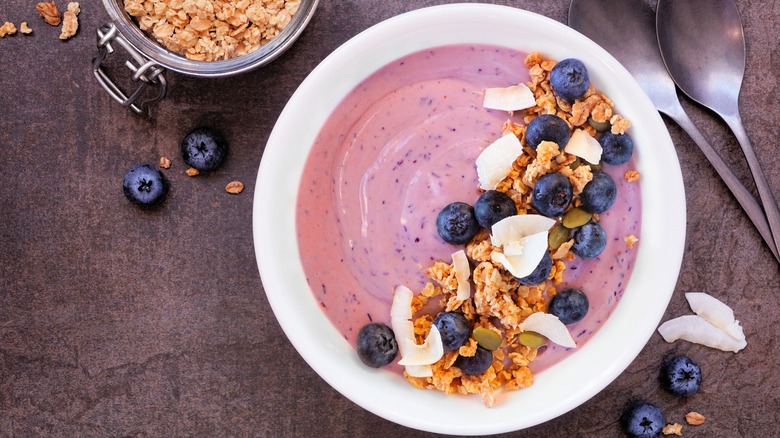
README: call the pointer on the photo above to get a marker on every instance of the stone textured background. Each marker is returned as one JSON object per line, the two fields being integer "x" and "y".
{"x": 118, "y": 322}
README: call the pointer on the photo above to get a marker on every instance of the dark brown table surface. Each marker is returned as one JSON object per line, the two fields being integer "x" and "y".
{"x": 117, "y": 322}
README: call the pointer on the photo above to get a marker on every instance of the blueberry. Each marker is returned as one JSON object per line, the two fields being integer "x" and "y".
{"x": 616, "y": 148}
{"x": 376, "y": 345}
{"x": 547, "y": 127}
{"x": 589, "y": 240}
{"x": 680, "y": 376}
{"x": 477, "y": 364}
{"x": 569, "y": 305}
{"x": 569, "y": 79}
{"x": 203, "y": 149}
{"x": 551, "y": 195}
{"x": 456, "y": 223}
{"x": 541, "y": 272}
{"x": 145, "y": 185}
{"x": 599, "y": 194}
{"x": 453, "y": 328}
{"x": 492, "y": 206}
{"x": 642, "y": 420}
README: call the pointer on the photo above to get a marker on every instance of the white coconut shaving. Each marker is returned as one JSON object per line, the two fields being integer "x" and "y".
{"x": 713, "y": 325}
{"x": 514, "y": 98}
{"x": 549, "y": 326}
{"x": 694, "y": 328}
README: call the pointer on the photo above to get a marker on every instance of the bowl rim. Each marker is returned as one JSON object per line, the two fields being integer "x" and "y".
{"x": 316, "y": 340}
{"x": 150, "y": 48}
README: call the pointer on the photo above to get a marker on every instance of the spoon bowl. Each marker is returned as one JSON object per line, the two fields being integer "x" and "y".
{"x": 705, "y": 52}
{"x": 703, "y": 46}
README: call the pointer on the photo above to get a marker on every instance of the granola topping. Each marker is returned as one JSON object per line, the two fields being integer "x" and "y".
{"x": 500, "y": 305}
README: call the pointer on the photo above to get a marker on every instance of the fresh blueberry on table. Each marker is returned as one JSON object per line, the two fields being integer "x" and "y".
{"x": 569, "y": 79}
{"x": 589, "y": 240}
{"x": 204, "y": 149}
{"x": 547, "y": 127}
{"x": 145, "y": 185}
{"x": 599, "y": 194}
{"x": 376, "y": 345}
{"x": 492, "y": 206}
{"x": 456, "y": 223}
{"x": 453, "y": 328}
{"x": 680, "y": 375}
{"x": 569, "y": 305}
{"x": 540, "y": 273}
{"x": 477, "y": 364}
{"x": 642, "y": 420}
{"x": 616, "y": 148}
{"x": 551, "y": 195}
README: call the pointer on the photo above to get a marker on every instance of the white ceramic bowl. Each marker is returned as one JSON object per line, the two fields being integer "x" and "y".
{"x": 563, "y": 386}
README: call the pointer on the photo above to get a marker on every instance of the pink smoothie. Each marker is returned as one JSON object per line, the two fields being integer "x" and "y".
{"x": 397, "y": 149}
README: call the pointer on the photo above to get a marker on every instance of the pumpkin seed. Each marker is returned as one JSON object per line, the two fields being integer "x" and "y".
{"x": 558, "y": 236}
{"x": 598, "y": 126}
{"x": 531, "y": 339}
{"x": 576, "y": 217}
{"x": 486, "y": 338}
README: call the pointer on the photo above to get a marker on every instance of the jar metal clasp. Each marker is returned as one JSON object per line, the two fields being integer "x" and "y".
{"x": 145, "y": 72}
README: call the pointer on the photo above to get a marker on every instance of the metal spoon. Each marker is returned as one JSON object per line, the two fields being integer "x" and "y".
{"x": 703, "y": 47}
{"x": 633, "y": 42}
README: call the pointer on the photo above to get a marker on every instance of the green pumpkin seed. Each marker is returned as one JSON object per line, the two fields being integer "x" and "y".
{"x": 598, "y": 126}
{"x": 558, "y": 236}
{"x": 576, "y": 217}
{"x": 486, "y": 338}
{"x": 531, "y": 339}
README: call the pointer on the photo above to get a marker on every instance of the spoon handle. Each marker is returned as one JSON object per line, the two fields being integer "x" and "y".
{"x": 764, "y": 191}
{"x": 743, "y": 195}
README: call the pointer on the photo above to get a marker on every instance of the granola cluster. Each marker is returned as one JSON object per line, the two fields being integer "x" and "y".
{"x": 212, "y": 30}
{"x": 499, "y": 302}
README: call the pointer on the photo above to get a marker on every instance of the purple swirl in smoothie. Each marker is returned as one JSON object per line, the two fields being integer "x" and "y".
{"x": 394, "y": 152}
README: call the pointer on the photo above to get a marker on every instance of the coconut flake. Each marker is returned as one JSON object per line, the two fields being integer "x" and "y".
{"x": 403, "y": 328}
{"x": 402, "y": 303}
{"x": 549, "y": 326}
{"x": 462, "y": 273}
{"x": 514, "y": 228}
{"x": 419, "y": 370}
{"x": 426, "y": 353}
{"x": 495, "y": 162}
{"x": 584, "y": 146}
{"x": 694, "y": 328}
{"x": 716, "y": 313}
{"x": 514, "y": 98}
{"x": 531, "y": 249}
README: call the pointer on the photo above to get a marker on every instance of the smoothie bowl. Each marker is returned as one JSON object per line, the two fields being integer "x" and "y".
{"x": 382, "y": 136}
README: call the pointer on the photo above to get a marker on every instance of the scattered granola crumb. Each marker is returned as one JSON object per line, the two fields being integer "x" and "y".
{"x": 24, "y": 28}
{"x": 234, "y": 187}
{"x": 49, "y": 13}
{"x": 165, "y": 162}
{"x": 7, "y": 28}
{"x": 70, "y": 22}
{"x": 631, "y": 176}
{"x": 192, "y": 171}
{"x": 673, "y": 429}
{"x": 630, "y": 241}
{"x": 694, "y": 418}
